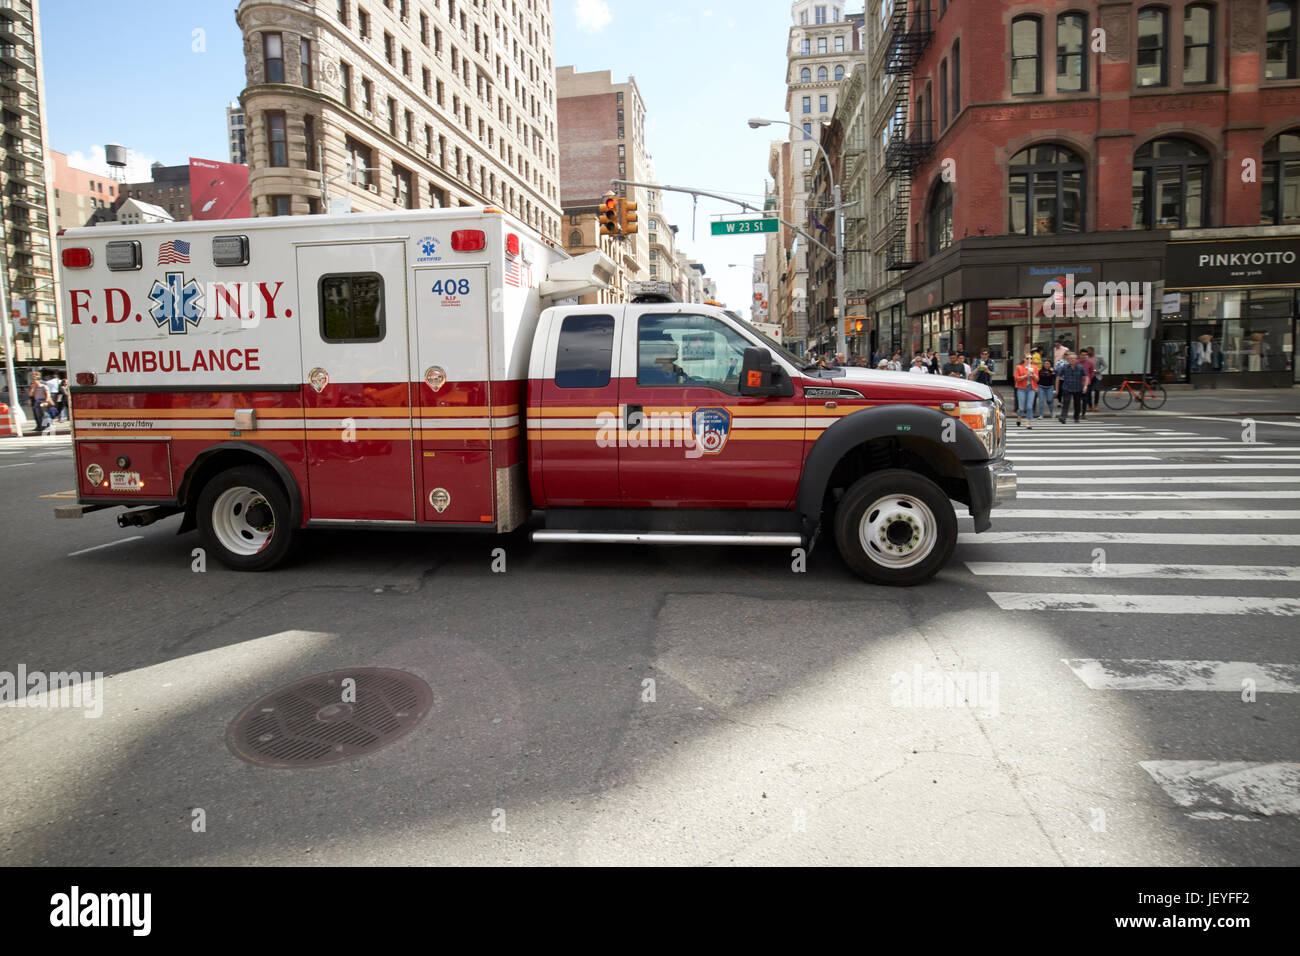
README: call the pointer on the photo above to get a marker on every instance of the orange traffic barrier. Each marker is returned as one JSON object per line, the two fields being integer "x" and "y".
{"x": 6, "y": 421}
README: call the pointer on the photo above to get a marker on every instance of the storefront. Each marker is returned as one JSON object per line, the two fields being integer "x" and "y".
{"x": 1010, "y": 294}
{"x": 1238, "y": 308}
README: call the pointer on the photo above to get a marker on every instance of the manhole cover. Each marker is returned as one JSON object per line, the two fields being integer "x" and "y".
{"x": 329, "y": 717}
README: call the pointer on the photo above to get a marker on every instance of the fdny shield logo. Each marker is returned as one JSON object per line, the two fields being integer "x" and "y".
{"x": 177, "y": 304}
{"x": 711, "y": 427}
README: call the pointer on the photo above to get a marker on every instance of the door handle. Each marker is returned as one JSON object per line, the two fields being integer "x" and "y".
{"x": 628, "y": 412}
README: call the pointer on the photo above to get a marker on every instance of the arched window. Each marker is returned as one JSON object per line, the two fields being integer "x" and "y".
{"x": 805, "y": 75}
{"x": 940, "y": 218}
{"x": 839, "y": 73}
{"x": 1171, "y": 185}
{"x": 575, "y": 238}
{"x": 1071, "y": 63}
{"x": 1046, "y": 190}
{"x": 821, "y": 74}
{"x": 1198, "y": 43}
{"x": 1280, "y": 184}
{"x": 1026, "y": 55}
{"x": 1153, "y": 41}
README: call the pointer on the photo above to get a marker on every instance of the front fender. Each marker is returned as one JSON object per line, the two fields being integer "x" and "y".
{"x": 880, "y": 421}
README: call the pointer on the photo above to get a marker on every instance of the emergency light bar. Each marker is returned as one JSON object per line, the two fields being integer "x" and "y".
{"x": 123, "y": 255}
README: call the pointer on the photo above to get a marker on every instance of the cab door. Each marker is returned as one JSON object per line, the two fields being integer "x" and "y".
{"x": 356, "y": 393}
{"x": 692, "y": 440}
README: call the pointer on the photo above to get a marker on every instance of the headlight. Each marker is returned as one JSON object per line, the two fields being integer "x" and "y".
{"x": 984, "y": 420}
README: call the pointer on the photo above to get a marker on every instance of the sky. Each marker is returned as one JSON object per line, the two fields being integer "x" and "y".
{"x": 156, "y": 77}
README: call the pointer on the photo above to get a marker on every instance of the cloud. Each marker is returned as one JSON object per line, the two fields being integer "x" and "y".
{"x": 593, "y": 15}
{"x": 92, "y": 161}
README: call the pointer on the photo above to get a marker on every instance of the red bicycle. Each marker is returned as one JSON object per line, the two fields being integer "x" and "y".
{"x": 1149, "y": 393}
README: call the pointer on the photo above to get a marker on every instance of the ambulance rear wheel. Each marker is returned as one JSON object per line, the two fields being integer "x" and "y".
{"x": 243, "y": 515}
{"x": 895, "y": 527}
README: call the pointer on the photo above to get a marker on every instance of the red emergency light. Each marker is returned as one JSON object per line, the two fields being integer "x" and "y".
{"x": 468, "y": 240}
{"x": 76, "y": 258}
{"x": 512, "y": 244}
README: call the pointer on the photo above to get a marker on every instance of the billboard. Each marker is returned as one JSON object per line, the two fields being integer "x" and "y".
{"x": 218, "y": 190}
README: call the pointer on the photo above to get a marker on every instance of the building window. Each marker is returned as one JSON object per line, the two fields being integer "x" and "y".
{"x": 804, "y": 48}
{"x": 279, "y": 205}
{"x": 392, "y": 117}
{"x": 1171, "y": 180}
{"x": 943, "y": 94}
{"x": 359, "y": 162}
{"x": 839, "y": 73}
{"x": 807, "y": 157}
{"x": 822, "y": 75}
{"x": 277, "y": 145}
{"x": 343, "y": 12}
{"x": 273, "y": 51}
{"x": 807, "y": 104}
{"x": 1280, "y": 182}
{"x": 345, "y": 80}
{"x": 402, "y": 187}
{"x": 388, "y": 49}
{"x": 1198, "y": 44}
{"x": 821, "y": 104}
{"x": 304, "y": 61}
{"x": 821, "y": 44}
{"x": 1152, "y": 40}
{"x": 940, "y": 218}
{"x": 575, "y": 238}
{"x": 367, "y": 97}
{"x": 956, "y": 77}
{"x": 309, "y": 140}
{"x": 1046, "y": 191}
{"x": 406, "y": 63}
{"x": 1071, "y": 63}
{"x": 363, "y": 24}
{"x": 805, "y": 75}
{"x": 1280, "y": 50}
{"x": 352, "y": 307}
{"x": 819, "y": 15}
{"x": 1026, "y": 59}
{"x": 839, "y": 44}
{"x": 807, "y": 130}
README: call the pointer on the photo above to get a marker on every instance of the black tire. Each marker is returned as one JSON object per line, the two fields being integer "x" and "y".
{"x": 884, "y": 503}
{"x": 1154, "y": 396}
{"x": 232, "y": 524}
{"x": 1117, "y": 398}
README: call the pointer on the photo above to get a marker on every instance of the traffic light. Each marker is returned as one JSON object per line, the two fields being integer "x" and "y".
{"x": 626, "y": 217}
{"x": 609, "y": 217}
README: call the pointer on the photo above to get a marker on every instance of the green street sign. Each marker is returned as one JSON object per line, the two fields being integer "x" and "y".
{"x": 744, "y": 227}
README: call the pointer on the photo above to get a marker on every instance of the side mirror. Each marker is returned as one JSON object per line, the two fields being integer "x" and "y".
{"x": 761, "y": 376}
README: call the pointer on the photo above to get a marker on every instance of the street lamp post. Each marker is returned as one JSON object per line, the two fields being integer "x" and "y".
{"x": 840, "y": 305}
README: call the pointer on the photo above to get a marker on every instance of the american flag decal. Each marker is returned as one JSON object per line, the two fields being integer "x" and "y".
{"x": 173, "y": 250}
{"x": 518, "y": 272}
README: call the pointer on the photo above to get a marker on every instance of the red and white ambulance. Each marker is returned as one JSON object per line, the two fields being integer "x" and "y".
{"x": 265, "y": 377}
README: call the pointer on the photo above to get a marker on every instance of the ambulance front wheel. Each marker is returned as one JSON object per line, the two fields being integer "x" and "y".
{"x": 243, "y": 515}
{"x": 895, "y": 527}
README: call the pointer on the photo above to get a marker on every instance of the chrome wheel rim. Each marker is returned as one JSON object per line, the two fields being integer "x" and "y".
{"x": 898, "y": 531}
{"x": 243, "y": 520}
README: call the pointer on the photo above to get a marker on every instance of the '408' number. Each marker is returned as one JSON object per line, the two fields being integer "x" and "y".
{"x": 451, "y": 287}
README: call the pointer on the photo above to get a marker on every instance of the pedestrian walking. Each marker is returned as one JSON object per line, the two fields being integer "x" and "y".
{"x": 984, "y": 369}
{"x": 1046, "y": 389}
{"x": 918, "y": 364}
{"x": 896, "y": 363}
{"x": 1094, "y": 384}
{"x": 1085, "y": 360}
{"x": 1026, "y": 379}
{"x": 1070, "y": 387}
{"x": 955, "y": 368}
{"x": 42, "y": 403}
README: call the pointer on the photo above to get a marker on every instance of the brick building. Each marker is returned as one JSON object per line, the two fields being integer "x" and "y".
{"x": 79, "y": 195}
{"x": 1105, "y": 141}
{"x": 168, "y": 187}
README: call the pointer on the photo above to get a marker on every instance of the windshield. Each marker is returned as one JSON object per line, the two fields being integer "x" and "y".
{"x": 772, "y": 344}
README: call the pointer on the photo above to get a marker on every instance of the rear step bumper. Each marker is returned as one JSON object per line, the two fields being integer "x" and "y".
{"x": 769, "y": 538}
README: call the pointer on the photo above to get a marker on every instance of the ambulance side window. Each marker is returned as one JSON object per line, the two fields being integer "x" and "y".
{"x": 352, "y": 307}
{"x": 586, "y": 351}
{"x": 689, "y": 350}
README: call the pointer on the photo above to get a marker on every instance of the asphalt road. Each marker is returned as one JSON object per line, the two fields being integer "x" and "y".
{"x": 793, "y": 717}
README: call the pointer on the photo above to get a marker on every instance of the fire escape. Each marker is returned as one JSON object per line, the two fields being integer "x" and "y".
{"x": 911, "y": 137}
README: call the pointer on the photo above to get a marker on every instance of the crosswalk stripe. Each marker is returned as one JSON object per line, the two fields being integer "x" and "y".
{"x": 1229, "y": 790}
{"x": 1171, "y": 466}
{"x": 1241, "y": 514}
{"x": 1129, "y": 537}
{"x": 1146, "y": 603}
{"x": 1166, "y": 572}
{"x": 1237, "y": 421}
{"x": 1165, "y": 480}
{"x": 1018, "y": 458}
{"x": 1141, "y": 496}
{"x": 1153, "y": 446}
{"x": 1221, "y": 676}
